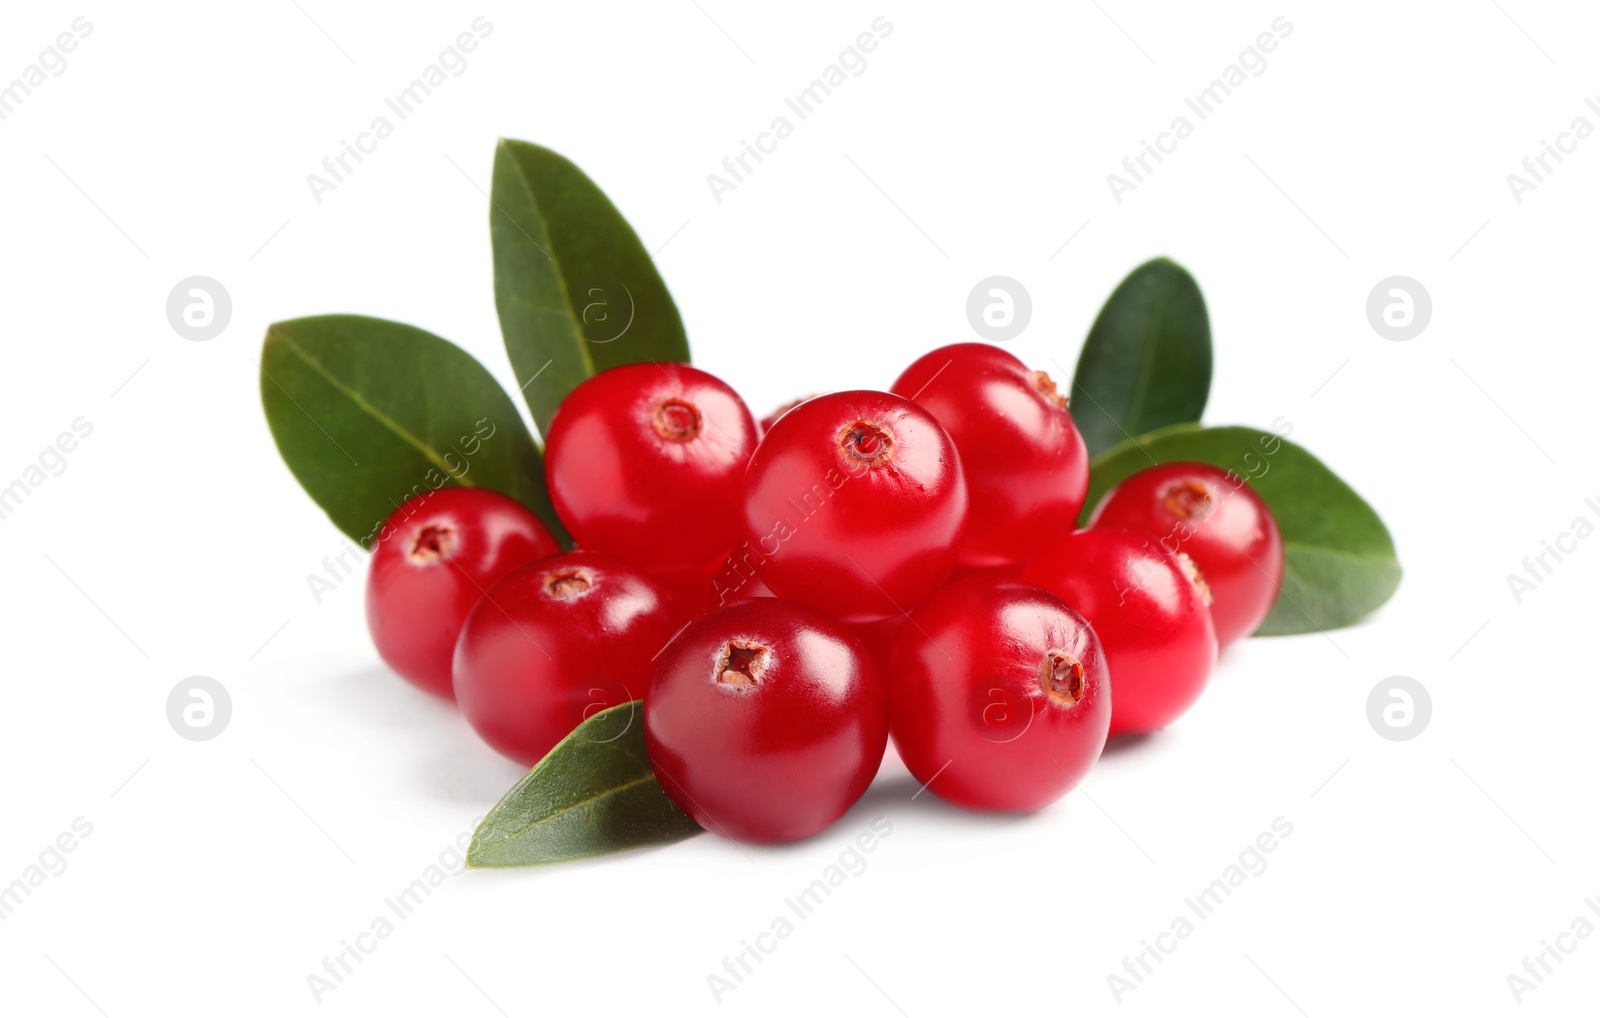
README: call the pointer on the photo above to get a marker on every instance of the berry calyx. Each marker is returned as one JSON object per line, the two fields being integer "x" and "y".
{"x": 1061, "y": 675}
{"x": 742, "y": 663}
{"x": 1187, "y": 500}
{"x": 677, "y": 420}
{"x": 1046, "y": 387}
{"x": 433, "y": 542}
{"x": 1196, "y": 577}
{"x": 567, "y": 582}
{"x": 867, "y": 444}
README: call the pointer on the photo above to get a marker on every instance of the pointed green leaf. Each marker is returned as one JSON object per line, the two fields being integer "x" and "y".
{"x": 368, "y": 413}
{"x": 593, "y": 794}
{"x": 1339, "y": 558}
{"x": 576, "y": 290}
{"x": 1147, "y": 361}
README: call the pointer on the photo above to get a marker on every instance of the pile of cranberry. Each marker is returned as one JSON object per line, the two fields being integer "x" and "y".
{"x": 785, "y": 597}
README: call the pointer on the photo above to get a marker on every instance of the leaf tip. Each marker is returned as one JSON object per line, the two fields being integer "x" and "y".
{"x": 1168, "y": 263}
{"x": 479, "y": 854}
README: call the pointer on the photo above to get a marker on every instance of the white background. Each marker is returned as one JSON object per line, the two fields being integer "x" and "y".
{"x": 1377, "y": 142}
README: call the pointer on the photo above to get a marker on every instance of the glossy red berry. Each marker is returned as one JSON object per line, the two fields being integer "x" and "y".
{"x": 766, "y": 423}
{"x": 855, "y": 504}
{"x": 1218, "y": 520}
{"x": 961, "y": 572}
{"x": 1026, "y": 464}
{"x": 554, "y": 642}
{"x": 434, "y": 559}
{"x": 707, "y": 588}
{"x": 878, "y": 638}
{"x": 765, "y": 721}
{"x": 998, "y": 694}
{"x": 646, "y": 462}
{"x": 1149, "y": 613}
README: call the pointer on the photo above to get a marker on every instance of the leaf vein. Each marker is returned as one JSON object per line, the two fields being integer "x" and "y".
{"x": 578, "y": 804}
{"x": 555, "y": 262}
{"x": 432, "y": 455}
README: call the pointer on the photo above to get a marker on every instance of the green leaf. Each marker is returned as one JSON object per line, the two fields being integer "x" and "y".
{"x": 1340, "y": 560}
{"x": 593, "y": 794}
{"x": 1147, "y": 361}
{"x": 368, "y": 413}
{"x": 576, "y": 290}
